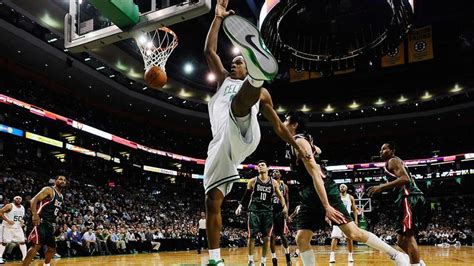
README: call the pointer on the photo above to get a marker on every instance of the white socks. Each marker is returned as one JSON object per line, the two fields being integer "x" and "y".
{"x": 308, "y": 258}
{"x": 255, "y": 83}
{"x": 23, "y": 250}
{"x": 377, "y": 243}
{"x": 415, "y": 264}
{"x": 251, "y": 258}
{"x": 215, "y": 254}
{"x": 2, "y": 249}
{"x": 287, "y": 250}
{"x": 274, "y": 255}
{"x": 263, "y": 261}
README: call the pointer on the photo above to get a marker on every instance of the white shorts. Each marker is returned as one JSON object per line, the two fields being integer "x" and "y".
{"x": 13, "y": 235}
{"x": 228, "y": 149}
{"x": 337, "y": 232}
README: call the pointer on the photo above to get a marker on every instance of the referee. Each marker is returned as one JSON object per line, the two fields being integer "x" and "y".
{"x": 202, "y": 237}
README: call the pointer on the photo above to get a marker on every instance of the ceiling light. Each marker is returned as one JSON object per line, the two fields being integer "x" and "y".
{"x": 426, "y": 96}
{"x": 211, "y": 77}
{"x": 171, "y": 97}
{"x": 100, "y": 68}
{"x": 402, "y": 99}
{"x": 456, "y": 88}
{"x": 52, "y": 40}
{"x": 185, "y": 94}
{"x": 235, "y": 50}
{"x": 305, "y": 108}
{"x": 281, "y": 110}
{"x": 208, "y": 98}
{"x": 329, "y": 109}
{"x": 354, "y": 105}
{"x": 112, "y": 76}
{"x": 379, "y": 101}
{"x": 87, "y": 59}
{"x": 188, "y": 68}
{"x": 144, "y": 88}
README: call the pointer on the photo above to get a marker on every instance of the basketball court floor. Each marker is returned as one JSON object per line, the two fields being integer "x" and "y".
{"x": 362, "y": 255}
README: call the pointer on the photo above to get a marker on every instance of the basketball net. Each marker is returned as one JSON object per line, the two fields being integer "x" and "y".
{"x": 156, "y": 46}
{"x": 359, "y": 190}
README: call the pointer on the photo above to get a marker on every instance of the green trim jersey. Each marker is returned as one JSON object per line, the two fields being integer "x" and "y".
{"x": 261, "y": 198}
{"x": 276, "y": 201}
{"x": 296, "y": 165}
{"x": 405, "y": 190}
{"x": 48, "y": 209}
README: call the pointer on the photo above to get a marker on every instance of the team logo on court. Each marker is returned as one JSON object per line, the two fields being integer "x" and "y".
{"x": 249, "y": 39}
{"x": 420, "y": 46}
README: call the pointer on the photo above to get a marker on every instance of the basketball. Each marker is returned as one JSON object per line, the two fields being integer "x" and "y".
{"x": 155, "y": 77}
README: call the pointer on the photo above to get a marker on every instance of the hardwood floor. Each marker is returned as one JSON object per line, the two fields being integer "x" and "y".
{"x": 362, "y": 256}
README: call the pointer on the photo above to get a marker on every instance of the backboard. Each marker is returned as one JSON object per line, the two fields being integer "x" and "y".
{"x": 86, "y": 28}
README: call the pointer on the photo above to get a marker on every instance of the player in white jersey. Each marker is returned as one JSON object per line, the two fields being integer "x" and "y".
{"x": 233, "y": 113}
{"x": 337, "y": 234}
{"x": 12, "y": 215}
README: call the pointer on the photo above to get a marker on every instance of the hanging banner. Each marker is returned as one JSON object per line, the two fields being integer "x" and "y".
{"x": 395, "y": 58}
{"x": 420, "y": 44}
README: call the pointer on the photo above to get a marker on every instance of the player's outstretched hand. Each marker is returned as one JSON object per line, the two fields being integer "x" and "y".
{"x": 221, "y": 9}
{"x": 334, "y": 215}
{"x": 373, "y": 190}
{"x": 36, "y": 219}
{"x": 238, "y": 211}
{"x": 10, "y": 222}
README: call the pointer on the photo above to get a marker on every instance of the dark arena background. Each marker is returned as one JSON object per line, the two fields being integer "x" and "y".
{"x": 74, "y": 102}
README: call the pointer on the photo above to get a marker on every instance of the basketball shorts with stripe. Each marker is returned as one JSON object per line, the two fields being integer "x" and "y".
{"x": 12, "y": 235}
{"x": 413, "y": 213}
{"x": 43, "y": 234}
{"x": 228, "y": 149}
{"x": 260, "y": 222}
{"x": 312, "y": 213}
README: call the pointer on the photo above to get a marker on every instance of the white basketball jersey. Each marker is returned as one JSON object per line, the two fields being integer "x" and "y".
{"x": 347, "y": 202}
{"x": 16, "y": 215}
{"x": 219, "y": 105}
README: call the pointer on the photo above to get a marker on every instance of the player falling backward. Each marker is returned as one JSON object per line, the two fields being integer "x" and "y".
{"x": 337, "y": 234}
{"x": 12, "y": 215}
{"x": 45, "y": 207}
{"x": 411, "y": 201}
{"x": 233, "y": 111}
{"x": 260, "y": 190}
{"x": 320, "y": 197}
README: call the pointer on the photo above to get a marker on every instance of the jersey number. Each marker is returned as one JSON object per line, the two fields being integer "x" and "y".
{"x": 56, "y": 211}
{"x": 263, "y": 196}
{"x": 17, "y": 218}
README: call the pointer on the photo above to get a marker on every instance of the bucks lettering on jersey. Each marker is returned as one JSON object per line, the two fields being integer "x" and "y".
{"x": 296, "y": 165}
{"x": 406, "y": 190}
{"x": 48, "y": 209}
{"x": 261, "y": 199}
{"x": 276, "y": 201}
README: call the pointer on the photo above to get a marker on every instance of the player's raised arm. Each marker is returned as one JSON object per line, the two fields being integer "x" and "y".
{"x": 244, "y": 202}
{"x": 272, "y": 116}
{"x": 43, "y": 194}
{"x": 396, "y": 165}
{"x": 210, "y": 48}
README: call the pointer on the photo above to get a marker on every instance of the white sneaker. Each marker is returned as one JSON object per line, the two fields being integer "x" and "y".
{"x": 261, "y": 64}
{"x": 1, "y": 260}
{"x": 349, "y": 258}
{"x": 332, "y": 257}
{"x": 422, "y": 263}
{"x": 401, "y": 259}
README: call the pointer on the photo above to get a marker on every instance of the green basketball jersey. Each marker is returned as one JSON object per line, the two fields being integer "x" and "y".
{"x": 261, "y": 199}
{"x": 406, "y": 190}
{"x": 276, "y": 201}
{"x": 49, "y": 208}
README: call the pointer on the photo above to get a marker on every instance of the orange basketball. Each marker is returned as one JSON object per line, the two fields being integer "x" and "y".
{"x": 155, "y": 77}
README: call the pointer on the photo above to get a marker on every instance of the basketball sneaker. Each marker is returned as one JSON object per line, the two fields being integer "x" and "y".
{"x": 349, "y": 257}
{"x": 422, "y": 263}
{"x": 1, "y": 260}
{"x": 216, "y": 262}
{"x": 261, "y": 65}
{"x": 332, "y": 257}
{"x": 401, "y": 259}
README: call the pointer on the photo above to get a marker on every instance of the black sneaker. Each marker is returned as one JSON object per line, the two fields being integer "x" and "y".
{"x": 275, "y": 262}
{"x": 261, "y": 64}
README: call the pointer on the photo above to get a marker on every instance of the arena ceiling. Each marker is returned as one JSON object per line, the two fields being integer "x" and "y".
{"x": 451, "y": 68}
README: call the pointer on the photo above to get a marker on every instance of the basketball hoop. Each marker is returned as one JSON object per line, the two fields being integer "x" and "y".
{"x": 156, "y": 46}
